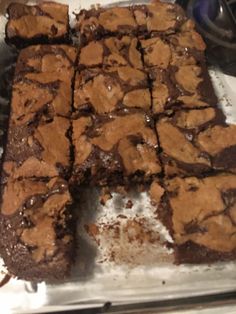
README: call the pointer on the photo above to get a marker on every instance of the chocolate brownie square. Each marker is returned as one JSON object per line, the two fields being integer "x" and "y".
{"x": 188, "y": 42}
{"x": 47, "y": 22}
{"x": 96, "y": 23}
{"x": 186, "y": 86}
{"x": 38, "y": 149}
{"x": 36, "y": 230}
{"x": 111, "y": 51}
{"x": 43, "y": 82}
{"x": 105, "y": 90}
{"x": 194, "y": 142}
{"x": 159, "y": 17}
{"x": 201, "y": 217}
{"x": 117, "y": 149}
{"x": 183, "y": 48}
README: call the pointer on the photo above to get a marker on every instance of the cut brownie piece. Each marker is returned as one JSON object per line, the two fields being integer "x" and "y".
{"x": 185, "y": 86}
{"x": 43, "y": 82}
{"x": 36, "y": 231}
{"x": 46, "y": 22}
{"x": 115, "y": 149}
{"x": 96, "y": 23}
{"x": 187, "y": 41}
{"x": 184, "y": 48}
{"x": 39, "y": 149}
{"x": 201, "y": 216}
{"x": 111, "y": 51}
{"x": 197, "y": 141}
{"x": 156, "y": 52}
{"x": 159, "y": 17}
{"x": 105, "y": 90}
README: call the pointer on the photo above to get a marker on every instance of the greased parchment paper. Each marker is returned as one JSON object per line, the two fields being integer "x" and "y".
{"x": 122, "y": 261}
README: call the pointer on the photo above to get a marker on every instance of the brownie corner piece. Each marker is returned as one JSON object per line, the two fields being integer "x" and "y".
{"x": 118, "y": 149}
{"x": 37, "y": 241}
{"x": 44, "y": 23}
{"x": 94, "y": 24}
{"x": 159, "y": 17}
{"x": 200, "y": 215}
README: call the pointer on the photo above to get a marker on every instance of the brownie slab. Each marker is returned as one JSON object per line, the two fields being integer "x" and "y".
{"x": 97, "y": 23}
{"x": 194, "y": 142}
{"x": 158, "y": 17}
{"x": 110, "y": 52}
{"x": 43, "y": 82}
{"x": 36, "y": 230}
{"x": 105, "y": 90}
{"x": 39, "y": 149}
{"x": 46, "y": 22}
{"x": 201, "y": 217}
{"x": 116, "y": 149}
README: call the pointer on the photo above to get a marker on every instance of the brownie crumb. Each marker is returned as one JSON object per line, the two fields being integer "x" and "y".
{"x": 5, "y": 280}
{"x": 129, "y": 204}
{"x": 105, "y": 196}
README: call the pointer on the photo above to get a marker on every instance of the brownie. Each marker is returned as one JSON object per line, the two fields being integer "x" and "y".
{"x": 201, "y": 217}
{"x": 105, "y": 90}
{"x": 187, "y": 41}
{"x": 194, "y": 142}
{"x": 36, "y": 231}
{"x": 43, "y": 82}
{"x": 39, "y": 149}
{"x": 183, "y": 48}
{"x": 117, "y": 149}
{"x": 111, "y": 51}
{"x": 159, "y": 18}
{"x": 97, "y": 23}
{"x": 186, "y": 86}
{"x": 47, "y": 22}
